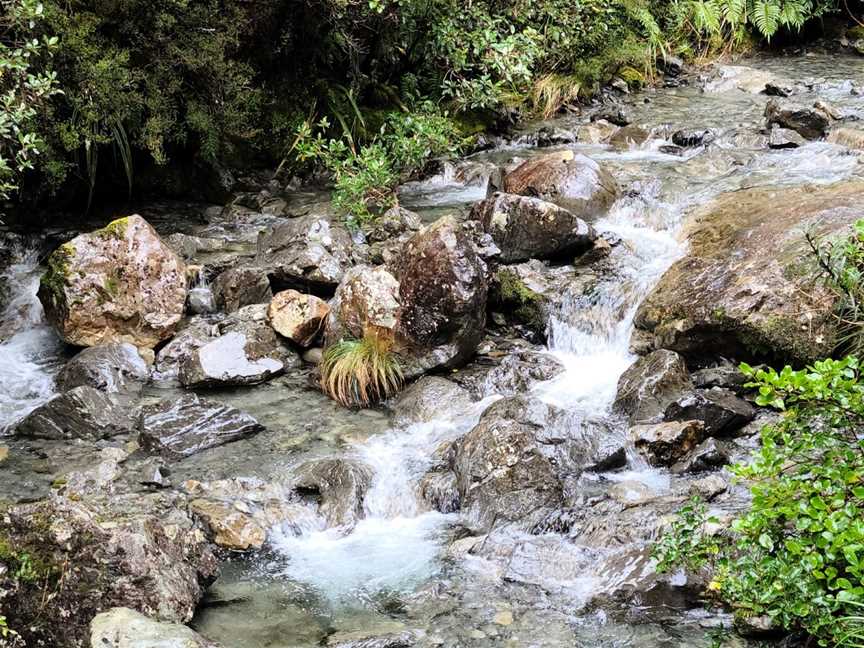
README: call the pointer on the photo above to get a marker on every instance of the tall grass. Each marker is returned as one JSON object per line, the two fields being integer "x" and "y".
{"x": 360, "y": 373}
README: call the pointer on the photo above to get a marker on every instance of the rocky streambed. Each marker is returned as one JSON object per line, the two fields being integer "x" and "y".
{"x": 571, "y": 303}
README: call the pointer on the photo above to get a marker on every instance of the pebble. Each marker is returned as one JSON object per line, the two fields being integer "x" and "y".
{"x": 4, "y": 453}
{"x": 503, "y": 618}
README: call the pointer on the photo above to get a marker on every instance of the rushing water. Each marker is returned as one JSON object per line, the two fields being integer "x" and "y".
{"x": 401, "y": 566}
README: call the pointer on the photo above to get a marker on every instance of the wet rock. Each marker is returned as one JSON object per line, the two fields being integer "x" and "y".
{"x": 442, "y": 291}
{"x": 629, "y": 137}
{"x": 521, "y": 294}
{"x": 596, "y": 132}
{"x": 572, "y": 181}
{"x": 507, "y": 466}
{"x": 118, "y": 284}
{"x": 367, "y": 297}
{"x": 298, "y": 317}
{"x": 707, "y": 456}
{"x": 739, "y": 77}
{"x": 232, "y": 529}
{"x": 773, "y": 89}
{"x": 758, "y": 627}
{"x": 784, "y": 138}
{"x": 200, "y": 301}
{"x": 395, "y": 221}
{"x": 188, "y": 246}
{"x": 440, "y": 490}
{"x": 241, "y": 286}
{"x": 92, "y": 558}
{"x": 180, "y": 427}
{"x": 313, "y": 356}
{"x": 80, "y": 413}
{"x": 510, "y": 375}
{"x": 692, "y": 138}
{"x": 665, "y": 443}
{"x": 720, "y": 410}
{"x": 338, "y": 486}
{"x": 723, "y": 375}
{"x": 196, "y": 332}
{"x": 428, "y": 399}
{"x": 850, "y": 137}
{"x": 740, "y": 291}
{"x": 651, "y": 384}
{"x": 524, "y": 228}
{"x": 671, "y": 65}
{"x": 709, "y": 487}
{"x": 126, "y": 628}
{"x": 632, "y": 493}
{"x": 406, "y": 639}
{"x": 112, "y": 368}
{"x": 617, "y": 115}
{"x": 309, "y": 253}
{"x": 811, "y": 123}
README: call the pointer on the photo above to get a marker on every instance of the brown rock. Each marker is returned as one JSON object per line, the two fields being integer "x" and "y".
{"x": 665, "y": 443}
{"x": 297, "y": 317}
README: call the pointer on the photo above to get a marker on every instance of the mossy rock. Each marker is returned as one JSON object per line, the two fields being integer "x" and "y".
{"x": 855, "y": 33}
{"x": 516, "y": 300}
{"x": 632, "y": 77}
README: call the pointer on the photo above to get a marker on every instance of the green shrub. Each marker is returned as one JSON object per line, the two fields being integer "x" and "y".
{"x": 359, "y": 373}
{"x": 797, "y": 555}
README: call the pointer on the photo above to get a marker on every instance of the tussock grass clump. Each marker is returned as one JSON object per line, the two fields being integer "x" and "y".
{"x": 552, "y": 91}
{"x": 360, "y": 373}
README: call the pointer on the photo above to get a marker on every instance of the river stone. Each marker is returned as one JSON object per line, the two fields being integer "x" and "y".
{"x": 650, "y": 384}
{"x": 575, "y": 182}
{"x": 507, "y": 466}
{"x": 393, "y": 222}
{"x": 745, "y": 286}
{"x": 406, "y": 639}
{"x": 80, "y": 413}
{"x": 618, "y": 115}
{"x": 241, "y": 286}
{"x": 337, "y": 485}
{"x": 707, "y": 456}
{"x": 112, "y": 368}
{"x": 439, "y": 489}
{"x": 195, "y": 333}
{"x": 442, "y": 290}
{"x": 227, "y": 361}
{"x": 126, "y": 628}
{"x": 809, "y": 122}
{"x": 118, "y": 284}
{"x": 515, "y": 373}
{"x": 180, "y": 427}
{"x": 720, "y": 410}
{"x": 231, "y": 529}
{"x": 689, "y": 138}
{"x": 784, "y": 138}
{"x": 309, "y": 253}
{"x": 524, "y": 228}
{"x": 629, "y": 137}
{"x": 849, "y": 137}
{"x": 746, "y": 79}
{"x": 428, "y": 399}
{"x": 367, "y": 297}
{"x": 297, "y": 317}
{"x": 665, "y": 443}
{"x": 156, "y": 563}
{"x": 596, "y": 132}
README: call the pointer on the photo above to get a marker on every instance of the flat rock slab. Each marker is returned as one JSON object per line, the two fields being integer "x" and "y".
{"x": 177, "y": 428}
{"x": 80, "y": 413}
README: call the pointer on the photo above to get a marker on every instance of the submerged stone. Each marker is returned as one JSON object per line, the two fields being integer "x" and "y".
{"x": 112, "y": 368}
{"x": 126, "y": 628}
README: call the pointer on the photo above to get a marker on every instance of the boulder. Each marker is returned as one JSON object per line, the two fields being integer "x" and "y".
{"x": 298, "y": 317}
{"x": 92, "y": 558}
{"x": 524, "y": 228}
{"x": 510, "y": 375}
{"x": 665, "y": 443}
{"x": 80, "y": 413}
{"x": 746, "y": 79}
{"x": 442, "y": 291}
{"x": 784, "y": 138}
{"x": 366, "y": 297}
{"x": 394, "y": 222}
{"x": 247, "y": 352}
{"x": 689, "y": 138}
{"x": 745, "y": 287}
{"x": 596, "y": 132}
{"x": 618, "y": 115}
{"x": 849, "y": 137}
{"x": 809, "y": 122}
{"x": 241, "y": 286}
{"x": 721, "y": 412}
{"x": 180, "y": 427}
{"x": 338, "y": 486}
{"x": 650, "y": 384}
{"x": 309, "y": 253}
{"x": 121, "y": 283}
{"x": 572, "y": 181}
{"x": 707, "y": 456}
{"x": 507, "y": 466}
{"x": 629, "y": 137}
{"x": 195, "y": 333}
{"x": 126, "y": 628}
{"x": 111, "y": 368}
{"x": 231, "y": 529}
{"x": 428, "y": 399}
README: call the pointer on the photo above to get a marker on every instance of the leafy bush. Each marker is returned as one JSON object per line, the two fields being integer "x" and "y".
{"x": 25, "y": 86}
{"x": 797, "y": 555}
{"x": 359, "y": 373}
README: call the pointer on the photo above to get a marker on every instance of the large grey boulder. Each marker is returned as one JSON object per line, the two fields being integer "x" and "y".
{"x": 721, "y": 411}
{"x": 529, "y": 228}
{"x": 570, "y": 180}
{"x": 429, "y": 398}
{"x": 310, "y": 253}
{"x": 112, "y": 368}
{"x": 241, "y": 286}
{"x": 121, "y": 283}
{"x": 180, "y": 427}
{"x": 338, "y": 486}
{"x": 651, "y": 384}
{"x": 80, "y": 413}
{"x": 92, "y": 558}
{"x": 126, "y": 628}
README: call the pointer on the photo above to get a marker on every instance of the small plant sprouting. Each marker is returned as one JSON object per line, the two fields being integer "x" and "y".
{"x": 360, "y": 373}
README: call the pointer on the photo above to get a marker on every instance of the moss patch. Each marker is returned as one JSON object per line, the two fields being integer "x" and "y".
{"x": 524, "y": 304}
{"x": 114, "y": 229}
{"x": 55, "y": 278}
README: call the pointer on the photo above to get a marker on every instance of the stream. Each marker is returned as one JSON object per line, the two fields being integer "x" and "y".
{"x": 403, "y": 568}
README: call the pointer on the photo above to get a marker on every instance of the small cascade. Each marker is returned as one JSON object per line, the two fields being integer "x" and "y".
{"x": 200, "y": 299}
{"x": 30, "y": 350}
